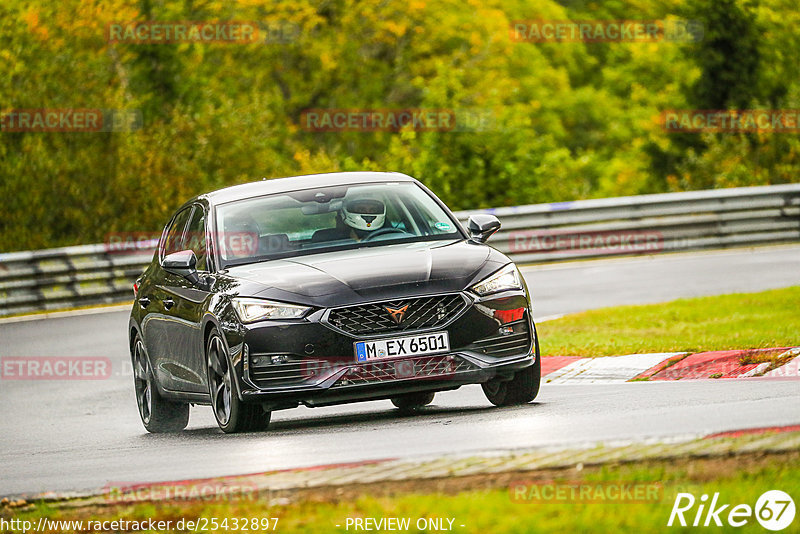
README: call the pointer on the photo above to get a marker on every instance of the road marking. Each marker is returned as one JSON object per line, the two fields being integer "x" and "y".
{"x": 549, "y": 317}
{"x": 68, "y": 313}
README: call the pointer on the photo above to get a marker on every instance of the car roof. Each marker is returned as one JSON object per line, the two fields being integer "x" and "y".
{"x": 298, "y": 183}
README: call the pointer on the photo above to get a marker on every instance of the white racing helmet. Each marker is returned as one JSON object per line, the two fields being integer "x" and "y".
{"x": 365, "y": 214}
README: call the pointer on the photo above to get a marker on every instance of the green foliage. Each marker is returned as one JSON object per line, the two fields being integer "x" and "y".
{"x": 729, "y": 55}
{"x": 566, "y": 120}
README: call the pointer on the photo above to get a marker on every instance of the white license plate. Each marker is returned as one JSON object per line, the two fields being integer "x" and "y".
{"x": 381, "y": 349}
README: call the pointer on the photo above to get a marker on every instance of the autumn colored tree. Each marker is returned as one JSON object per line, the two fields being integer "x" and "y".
{"x": 536, "y": 122}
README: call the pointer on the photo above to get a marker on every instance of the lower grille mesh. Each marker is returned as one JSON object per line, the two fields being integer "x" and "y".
{"x": 439, "y": 367}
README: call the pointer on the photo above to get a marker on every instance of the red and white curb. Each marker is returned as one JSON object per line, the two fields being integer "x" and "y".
{"x": 790, "y": 369}
{"x": 604, "y": 370}
{"x": 278, "y": 487}
{"x": 668, "y": 366}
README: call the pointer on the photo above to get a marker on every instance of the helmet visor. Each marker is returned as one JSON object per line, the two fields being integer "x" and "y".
{"x": 365, "y": 206}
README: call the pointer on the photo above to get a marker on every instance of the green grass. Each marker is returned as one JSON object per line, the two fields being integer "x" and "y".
{"x": 737, "y": 321}
{"x": 738, "y": 481}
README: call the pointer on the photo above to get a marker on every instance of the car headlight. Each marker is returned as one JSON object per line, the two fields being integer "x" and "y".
{"x": 250, "y": 310}
{"x": 505, "y": 279}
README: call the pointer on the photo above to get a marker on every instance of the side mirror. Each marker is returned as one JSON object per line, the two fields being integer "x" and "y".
{"x": 482, "y": 226}
{"x": 182, "y": 263}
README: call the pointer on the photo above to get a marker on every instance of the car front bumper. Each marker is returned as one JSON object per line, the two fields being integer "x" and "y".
{"x": 310, "y": 362}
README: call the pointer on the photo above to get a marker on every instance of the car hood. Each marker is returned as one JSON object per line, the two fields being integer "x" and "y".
{"x": 354, "y": 275}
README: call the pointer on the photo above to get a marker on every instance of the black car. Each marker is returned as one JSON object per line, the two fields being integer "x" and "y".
{"x": 321, "y": 290}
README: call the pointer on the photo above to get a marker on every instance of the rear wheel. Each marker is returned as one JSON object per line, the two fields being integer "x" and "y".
{"x": 158, "y": 414}
{"x": 521, "y": 389}
{"x": 232, "y": 414}
{"x": 413, "y": 401}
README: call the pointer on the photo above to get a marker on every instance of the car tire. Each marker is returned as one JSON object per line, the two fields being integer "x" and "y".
{"x": 232, "y": 415}
{"x": 413, "y": 401}
{"x": 158, "y": 414}
{"x": 521, "y": 389}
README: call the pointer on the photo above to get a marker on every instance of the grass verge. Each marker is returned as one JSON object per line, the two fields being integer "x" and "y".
{"x": 504, "y": 503}
{"x": 736, "y": 321}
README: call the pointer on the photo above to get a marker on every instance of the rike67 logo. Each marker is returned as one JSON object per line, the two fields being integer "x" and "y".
{"x": 774, "y": 510}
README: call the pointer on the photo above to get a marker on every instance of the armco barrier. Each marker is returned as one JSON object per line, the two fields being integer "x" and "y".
{"x": 646, "y": 224}
{"x": 66, "y": 277}
{"x": 659, "y": 223}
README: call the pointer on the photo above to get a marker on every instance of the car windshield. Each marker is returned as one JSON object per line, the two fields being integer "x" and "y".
{"x": 320, "y": 220}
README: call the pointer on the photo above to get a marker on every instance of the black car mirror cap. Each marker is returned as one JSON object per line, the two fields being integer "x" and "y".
{"x": 183, "y": 263}
{"x": 482, "y": 226}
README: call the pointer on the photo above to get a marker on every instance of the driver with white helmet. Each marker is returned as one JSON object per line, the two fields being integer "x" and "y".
{"x": 363, "y": 216}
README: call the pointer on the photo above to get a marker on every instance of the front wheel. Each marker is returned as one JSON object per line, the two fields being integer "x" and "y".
{"x": 413, "y": 401}
{"x": 232, "y": 414}
{"x": 521, "y": 389}
{"x": 157, "y": 413}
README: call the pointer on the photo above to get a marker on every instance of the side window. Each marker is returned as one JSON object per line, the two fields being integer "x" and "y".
{"x": 196, "y": 238}
{"x": 175, "y": 236}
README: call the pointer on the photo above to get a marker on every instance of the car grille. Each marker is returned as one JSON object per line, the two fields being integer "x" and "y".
{"x": 507, "y": 345}
{"x": 421, "y": 313}
{"x": 439, "y": 367}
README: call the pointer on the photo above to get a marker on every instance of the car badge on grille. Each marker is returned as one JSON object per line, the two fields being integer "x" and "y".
{"x": 397, "y": 314}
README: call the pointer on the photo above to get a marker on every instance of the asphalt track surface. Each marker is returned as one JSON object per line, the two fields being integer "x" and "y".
{"x": 83, "y": 435}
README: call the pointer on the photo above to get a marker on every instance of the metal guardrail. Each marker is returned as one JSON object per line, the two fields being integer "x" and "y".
{"x": 97, "y": 274}
{"x": 647, "y": 224}
{"x": 67, "y": 277}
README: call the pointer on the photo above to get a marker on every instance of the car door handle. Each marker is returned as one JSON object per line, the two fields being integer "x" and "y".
{"x": 168, "y": 303}
{"x": 144, "y": 302}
